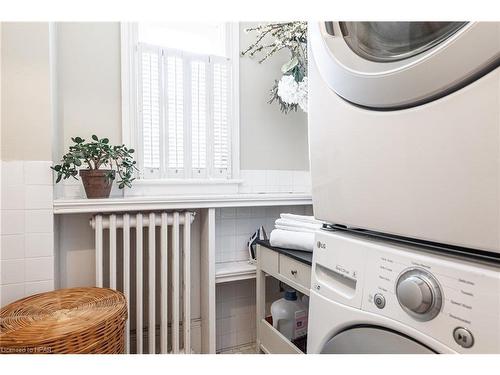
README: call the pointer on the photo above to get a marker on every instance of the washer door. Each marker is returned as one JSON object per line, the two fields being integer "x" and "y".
{"x": 393, "y": 65}
{"x": 373, "y": 340}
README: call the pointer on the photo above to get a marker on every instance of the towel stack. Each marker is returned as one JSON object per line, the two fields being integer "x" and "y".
{"x": 295, "y": 232}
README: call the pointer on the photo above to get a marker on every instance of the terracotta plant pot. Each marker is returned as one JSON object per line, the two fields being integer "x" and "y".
{"x": 96, "y": 182}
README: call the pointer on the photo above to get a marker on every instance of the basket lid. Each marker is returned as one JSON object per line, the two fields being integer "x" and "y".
{"x": 59, "y": 315}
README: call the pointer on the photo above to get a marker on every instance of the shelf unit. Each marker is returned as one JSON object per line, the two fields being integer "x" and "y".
{"x": 234, "y": 271}
{"x": 221, "y": 272}
{"x": 294, "y": 273}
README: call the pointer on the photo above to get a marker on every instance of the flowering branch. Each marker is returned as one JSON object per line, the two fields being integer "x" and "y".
{"x": 290, "y": 92}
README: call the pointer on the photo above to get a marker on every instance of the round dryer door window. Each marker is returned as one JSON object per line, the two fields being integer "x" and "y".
{"x": 396, "y": 65}
{"x": 393, "y": 41}
{"x": 373, "y": 340}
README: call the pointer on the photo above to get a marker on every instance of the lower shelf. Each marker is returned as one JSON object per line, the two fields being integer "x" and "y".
{"x": 273, "y": 342}
{"x": 234, "y": 271}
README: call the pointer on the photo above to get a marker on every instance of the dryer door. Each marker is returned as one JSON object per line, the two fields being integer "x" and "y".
{"x": 373, "y": 340}
{"x": 393, "y": 65}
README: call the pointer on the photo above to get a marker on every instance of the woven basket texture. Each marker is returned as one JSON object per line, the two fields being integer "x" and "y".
{"x": 75, "y": 320}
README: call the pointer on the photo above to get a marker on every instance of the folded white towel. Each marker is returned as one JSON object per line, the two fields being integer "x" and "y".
{"x": 292, "y": 240}
{"x": 297, "y": 225}
{"x": 295, "y": 229}
{"x": 301, "y": 218}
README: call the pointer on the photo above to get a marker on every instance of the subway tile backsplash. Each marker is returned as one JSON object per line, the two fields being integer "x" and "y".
{"x": 234, "y": 226}
{"x": 27, "y": 229}
{"x": 274, "y": 181}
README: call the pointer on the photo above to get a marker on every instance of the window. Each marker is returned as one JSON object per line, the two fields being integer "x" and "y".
{"x": 180, "y": 111}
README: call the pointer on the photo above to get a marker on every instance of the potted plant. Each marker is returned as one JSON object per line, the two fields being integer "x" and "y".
{"x": 98, "y": 164}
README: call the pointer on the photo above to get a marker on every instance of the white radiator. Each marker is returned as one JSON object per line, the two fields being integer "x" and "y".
{"x": 180, "y": 225}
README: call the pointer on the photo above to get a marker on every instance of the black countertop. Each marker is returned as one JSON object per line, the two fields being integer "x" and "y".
{"x": 301, "y": 256}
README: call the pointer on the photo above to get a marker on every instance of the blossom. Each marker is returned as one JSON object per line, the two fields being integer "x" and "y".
{"x": 287, "y": 89}
{"x": 302, "y": 94}
{"x": 293, "y": 92}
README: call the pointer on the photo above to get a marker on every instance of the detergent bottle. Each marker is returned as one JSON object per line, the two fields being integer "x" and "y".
{"x": 290, "y": 315}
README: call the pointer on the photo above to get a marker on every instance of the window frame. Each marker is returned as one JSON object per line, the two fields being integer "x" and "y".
{"x": 129, "y": 95}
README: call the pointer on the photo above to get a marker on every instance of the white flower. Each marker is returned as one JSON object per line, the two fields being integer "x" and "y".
{"x": 302, "y": 94}
{"x": 287, "y": 89}
{"x": 292, "y": 92}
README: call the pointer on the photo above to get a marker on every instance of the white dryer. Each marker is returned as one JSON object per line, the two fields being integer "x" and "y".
{"x": 404, "y": 129}
{"x": 372, "y": 296}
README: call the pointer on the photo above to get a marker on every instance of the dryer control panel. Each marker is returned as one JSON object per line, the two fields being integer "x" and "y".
{"x": 449, "y": 299}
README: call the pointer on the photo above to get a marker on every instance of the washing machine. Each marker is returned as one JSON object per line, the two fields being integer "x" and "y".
{"x": 372, "y": 296}
{"x": 404, "y": 130}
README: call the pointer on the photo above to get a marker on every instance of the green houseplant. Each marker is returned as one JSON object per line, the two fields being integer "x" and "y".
{"x": 98, "y": 164}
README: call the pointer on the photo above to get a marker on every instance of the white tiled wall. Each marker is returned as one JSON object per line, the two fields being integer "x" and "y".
{"x": 27, "y": 229}
{"x": 253, "y": 181}
{"x": 73, "y": 189}
{"x": 236, "y": 311}
{"x": 274, "y": 181}
{"x": 234, "y": 227}
{"x": 235, "y": 314}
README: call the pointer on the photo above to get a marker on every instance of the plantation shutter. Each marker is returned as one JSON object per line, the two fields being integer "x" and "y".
{"x": 184, "y": 114}
{"x": 199, "y": 117}
{"x": 174, "y": 77}
{"x": 221, "y": 116}
{"x": 150, "y": 108}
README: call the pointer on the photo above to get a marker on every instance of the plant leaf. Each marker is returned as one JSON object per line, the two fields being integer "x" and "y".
{"x": 289, "y": 65}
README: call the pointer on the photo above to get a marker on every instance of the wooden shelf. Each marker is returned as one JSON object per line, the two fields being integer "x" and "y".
{"x": 234, "y": 271}
{"x": 69, "y": 206}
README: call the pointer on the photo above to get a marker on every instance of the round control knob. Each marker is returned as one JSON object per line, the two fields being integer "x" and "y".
{"x": 415, "y": 294}
{"x": 419, "y": 294}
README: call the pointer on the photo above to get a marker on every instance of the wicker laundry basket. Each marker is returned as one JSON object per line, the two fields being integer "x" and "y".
{"x": 75, "y": 320}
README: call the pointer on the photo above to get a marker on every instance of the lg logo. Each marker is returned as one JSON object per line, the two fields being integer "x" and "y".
{"x": 321, "y": 245}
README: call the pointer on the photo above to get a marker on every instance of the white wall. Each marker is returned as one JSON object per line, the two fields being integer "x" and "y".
{"x": 88, "y": 68}
{"x": 269, "y": 138}
{"x": 26, "y": 86}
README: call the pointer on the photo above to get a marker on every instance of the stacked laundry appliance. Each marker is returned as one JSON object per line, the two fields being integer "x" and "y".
{"x": 404, "y": 132}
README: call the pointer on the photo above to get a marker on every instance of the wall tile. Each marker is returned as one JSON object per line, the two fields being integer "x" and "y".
{"x": 12, "y": 246}
{"x": 13, "y": 222}
{"x": 227, "y": 213}
{"x": 272, "y": 182}
{"x": 243, "y": 212}
{"x": 13, "y": 197}
{"x": 228, "y": 340}
{"x": 275, "y": 181}
{"x": 37, "y": 269}
{"x": 227, "y": 243}
{"x": 235, "y": 314}
{"x": 12, "y": 271}
{"x": 38, "y": 197}
{"x": 27, "y": 262}
{"x": 39, "y": 221}
{"x": 228, "y": 227}
{"x": 39, "y": 245}
{"x": 245, "y": 188}
{"x": 243, "y": 226}
{"x": 38, "y": 287}
{"x": 12, "y": 173}
{"x": 10, "y": 293}
{"x": 38, "y": 173}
